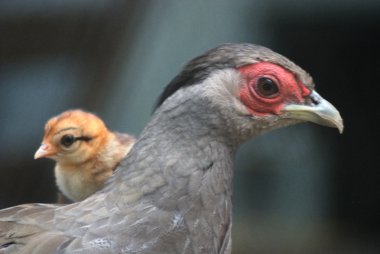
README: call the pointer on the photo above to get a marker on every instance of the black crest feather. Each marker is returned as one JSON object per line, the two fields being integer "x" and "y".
{"x": 229, "y": 55}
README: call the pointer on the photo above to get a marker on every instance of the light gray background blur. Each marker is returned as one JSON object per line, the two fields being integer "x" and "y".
{"x": 115, "y": 57}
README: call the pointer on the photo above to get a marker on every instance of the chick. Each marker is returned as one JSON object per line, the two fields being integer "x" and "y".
{"x": 86, "y": 152}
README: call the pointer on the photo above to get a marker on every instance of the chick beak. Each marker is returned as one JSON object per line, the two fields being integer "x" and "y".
{"x": 320, "y": 111}
{"x": 44, "y": 151}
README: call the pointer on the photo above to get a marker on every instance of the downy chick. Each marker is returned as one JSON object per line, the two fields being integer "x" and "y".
{"x": 86, "y": 152}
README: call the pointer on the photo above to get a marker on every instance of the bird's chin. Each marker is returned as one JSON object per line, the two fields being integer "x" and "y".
{"x": 264, "y": 125}
{"x": 53, "y": 157}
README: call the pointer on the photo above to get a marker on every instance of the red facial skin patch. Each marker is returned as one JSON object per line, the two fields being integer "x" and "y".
{"x": 290, "y": 90}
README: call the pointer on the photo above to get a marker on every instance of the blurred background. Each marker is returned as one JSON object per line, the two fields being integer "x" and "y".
{"x": 303, "y": 189}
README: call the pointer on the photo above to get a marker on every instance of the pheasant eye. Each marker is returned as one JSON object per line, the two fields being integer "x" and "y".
{"x": 266, "y": 87}
{"x": 67, "y": 140}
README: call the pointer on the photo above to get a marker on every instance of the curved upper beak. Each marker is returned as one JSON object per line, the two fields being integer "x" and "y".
{"x": 320, "y": 112}
{"x": 44, "y": 151}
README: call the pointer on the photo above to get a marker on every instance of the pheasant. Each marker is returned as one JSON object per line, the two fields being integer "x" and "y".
{"x": 85, "y": 150}
{"x": 172, "y": 192}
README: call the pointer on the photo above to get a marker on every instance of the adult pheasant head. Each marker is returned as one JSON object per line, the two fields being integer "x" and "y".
{"x": 256, "y": 87}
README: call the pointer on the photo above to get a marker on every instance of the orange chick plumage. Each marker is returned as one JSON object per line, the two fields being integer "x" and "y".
{"x": 86, "y": 152}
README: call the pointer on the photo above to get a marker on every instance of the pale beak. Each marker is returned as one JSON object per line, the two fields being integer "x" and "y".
{"x": 43, "y": 152}
{"x": 320, "y": 112}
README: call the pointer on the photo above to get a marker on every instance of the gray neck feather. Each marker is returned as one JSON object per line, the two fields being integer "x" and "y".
{"x": 180, "y": 170}
{"x": 185, "y": 135}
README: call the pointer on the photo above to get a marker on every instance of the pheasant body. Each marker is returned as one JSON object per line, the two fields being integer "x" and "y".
{"x": 175, "y": 196}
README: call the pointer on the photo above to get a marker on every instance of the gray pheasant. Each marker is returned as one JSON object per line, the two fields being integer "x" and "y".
{"x": 175, "y": 196}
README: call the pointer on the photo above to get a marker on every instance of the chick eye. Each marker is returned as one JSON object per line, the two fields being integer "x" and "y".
{"x": 266, "y": 87}
{"x": 67, "y": 140}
